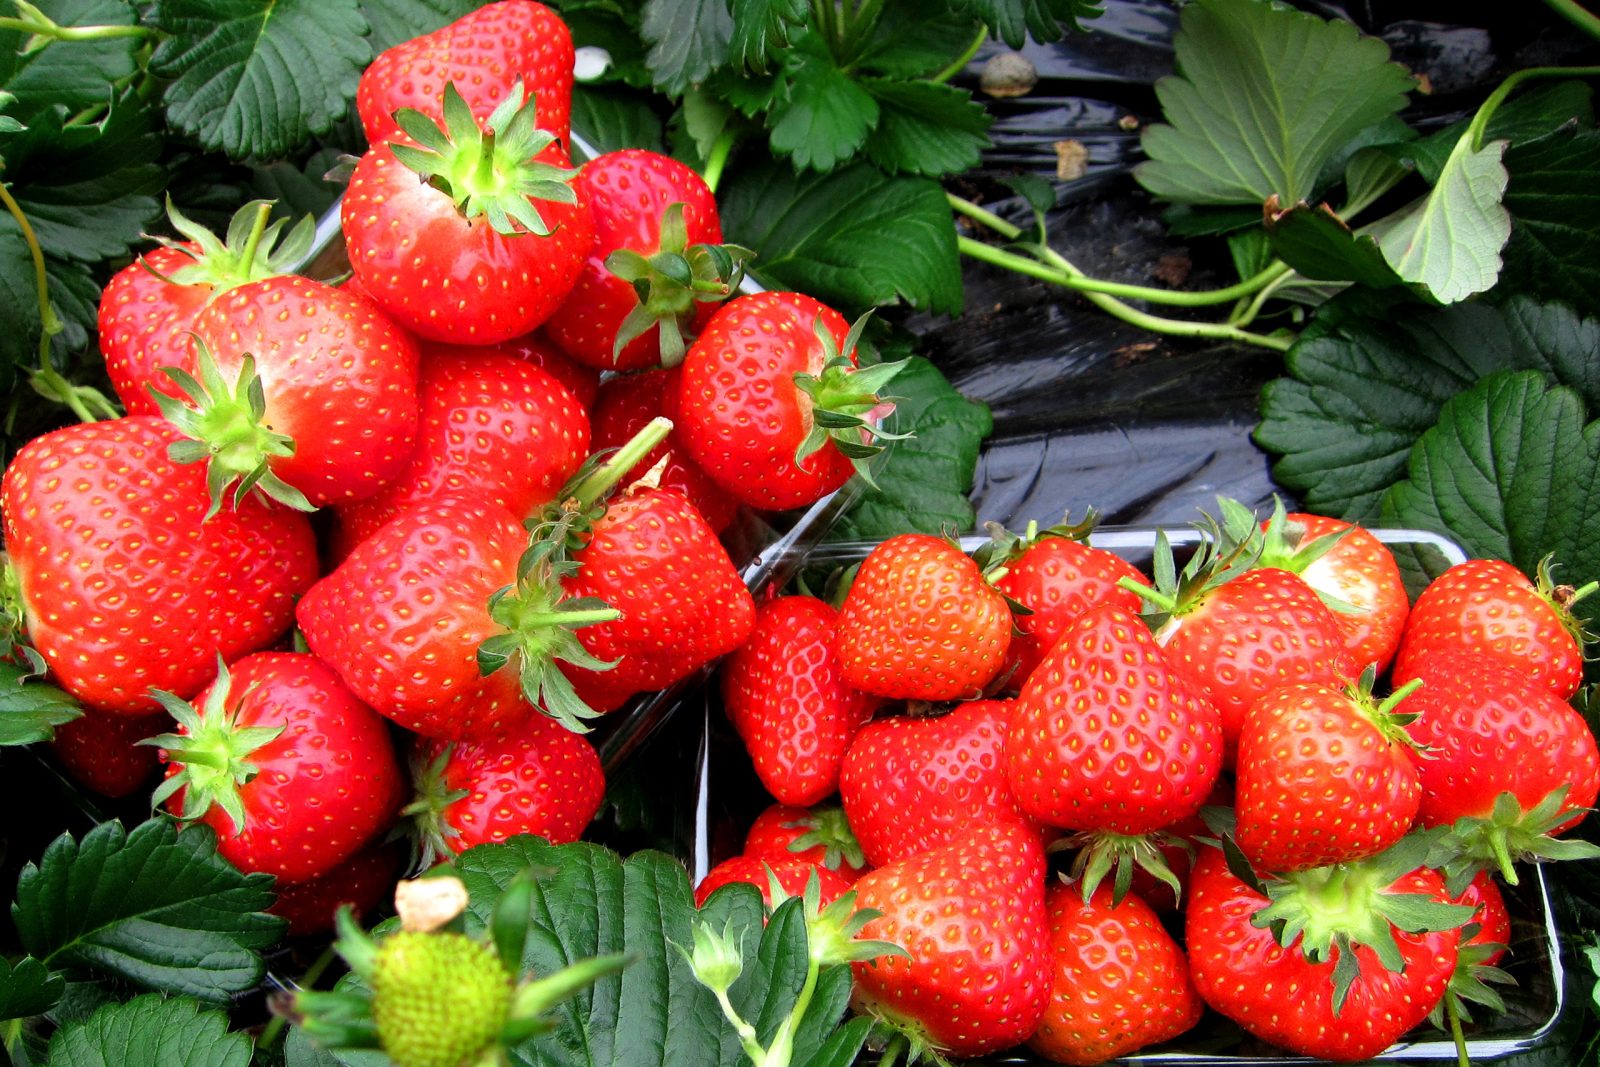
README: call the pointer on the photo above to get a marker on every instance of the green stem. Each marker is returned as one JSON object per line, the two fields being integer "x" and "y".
{"x": 275, "y": 1025}
{"x": 1480, "y": 121}
{"x": 1250, "y": 309}
{"x": 894, "y": 1050}
{"x": 960, "y": 62}
{"x": 1576, "y": 14}
{"x": 718, "y": 160}
{"x": 569, "y": 618}
{"x": 747, "y": 1033}
{"x": 860, "y": 23}
{"x": 71, "y": 33}
{"x": 253, "y": 242}
{"x": 827, "y": 18}
{"x": 781, "y": 1051}
{"x": 1452, "y": 1013}
{"x": 603, "y": 477}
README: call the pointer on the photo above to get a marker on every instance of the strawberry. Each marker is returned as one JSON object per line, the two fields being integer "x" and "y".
{"x": 791, "y": 872}
{"x": 771, "y": 404}
{"x": 484, "y": 53}
{"x": 657, "y": 267}
{"x": 819, "y": 836}
{"x": 624, "y": 405}
{"x": 475, "y": 237}
{"x": 125, "y": 585}
{"x": 1177, "y": 847}
{"x": 148, "y": 307}
{"x": 1118, "y": 980}
{"x": 1508, "y": 766}
{"x": 540, "y": 778}
{"x": 293, "y": 772}
{"x": 582, "y": 382}
{"x": 1107, "y": 738}
{"x": 910, "y": 783}
{"x": 921, "y": 623}
{"x": 439, "y": 998}
{"x": 363, "y": 882}
{"x": 1483, "y": 945}
{"x": 971, "y": 915}
{"x": 101, "y": 752}
{"x": 492, "y": 427}
{"x": 1491, "y": 607}
{"x": 1352, "y": 980}
{"x": 1489, "y": 914}
{"x": 1325, "y": 775}
{"x": 1057, "y": 575}
{"x": 306, "y": 391}
{"x": 785, "y": 694}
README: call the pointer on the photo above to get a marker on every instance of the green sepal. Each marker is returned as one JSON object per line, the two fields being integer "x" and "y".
{"x": 846, "y": 402}
{"x": 1119, "y": 855}
{"x": 831, "y": 932}
{"x": 562, "y": 527}
{"x": 426, "y": 827}
{"x": 828, "y": 827}
{"x": 1216, "y": 561}
{"x": 534, "y": 998}
{"x": 1281, "y": 544}
{"x": 716, "y": 959}
{"x": 1473, "y": 980}
{"x": 1509, "y": 835}
{"x": 254, "y": 248}
{"x": 14, "y": 643}
{"x": 508, "y": 922}
{"x": 1005, "y": 547}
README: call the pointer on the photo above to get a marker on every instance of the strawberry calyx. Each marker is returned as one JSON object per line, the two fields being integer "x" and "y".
{"x": 14, "y": 645}
{"x": 1383, "y": 713}
{"x": 672, "y": 281}
{"x": 1562, "y": 597}
{"x": 844, "y": 402}
{"x": 225, "y": 427}
{"x": 827, "y": 827}
{"x": 562, "y": 526}
{"x": 1472, "y": 982}
{"x": 428, "y": 829}
{"x": 489, "y": 171}
{"x": 254, "y": 248}
{"x": 1281, "y": 544}
{"x": 1217, "y": 561}
{"x": 1006, "y": 547}
{"x": 1102, "y": 852}
{"x": 212, "y": 751}
{"x": 1509, "y": 834}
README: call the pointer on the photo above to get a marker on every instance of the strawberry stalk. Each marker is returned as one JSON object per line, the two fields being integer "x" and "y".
{"x": 1508, "y": 835}
{"x": 539, "y": 627}
{"x": 562, "y": 526}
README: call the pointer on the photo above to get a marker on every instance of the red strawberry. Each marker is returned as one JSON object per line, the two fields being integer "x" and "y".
{"x": 771, "y": 404}
{"x": 102, "y": 752}
{"x": 1489, "y": 606}
{"x": 624, "y": 405}
{"x": 336, "y": 415}
{"x": 363, "y": 882}
{"x": 1483, "y": 944}
{"x": 492, "y": 427}
{"x": 476, "y": 238}
{"x": 817, "y": 835}
{"x": 1489, "y": 913}
{"x": 1325, "y": 776}
{"x": 291, "y": 769}
{"x": 540, "y": 778}
{"x": 1119, "y": 981}
{"x": 1298, "y": 997}
{"x": 124, "y": 583}
{"x": 971, "y": 916}
{"x": 1177, "y": 849}
{"x": 785, "y": 695}
{"x": 582, "y": 382}
{"x": 484, "y": 53}
{"x": 1107, "y": 738}
{"x": 921, "y": 623}
{"x": 912, "y": 783}
{"x": 654, "y": 273}
{"x": 792, "y": 875}
{"x": 1057, "y": 575}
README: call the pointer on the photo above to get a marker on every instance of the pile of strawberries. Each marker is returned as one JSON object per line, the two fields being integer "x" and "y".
{"x": 1208, "y": 744}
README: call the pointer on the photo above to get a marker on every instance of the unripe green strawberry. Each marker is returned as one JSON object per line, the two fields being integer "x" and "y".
{"x": 439, "y": 999}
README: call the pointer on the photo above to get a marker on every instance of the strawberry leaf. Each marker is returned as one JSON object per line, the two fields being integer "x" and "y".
{"x": 1318, "y": 244}
{"x": 394, "y": 21}
{"x": 1013, "y": 21}
{"x": 77, "y": 74}
{"x": 825, "y": 116}
{"x": 1555, "y": 208}
{"x": 30, "y": 710}
{"x": 612, "y": 119}
{"x": 259, "y": 77}
{"x": 762, "y": 29}
{"x": 151, "y": 1029}
{"x": 925, "y": 128}
{"x": 688, "y": 40}
{"x": 27, "y": 988}
{"x": 155, "y": 906}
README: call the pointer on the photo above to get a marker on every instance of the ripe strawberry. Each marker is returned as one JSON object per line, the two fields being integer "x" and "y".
{"x": 1057, "y": 575}
{"x": 540, "y": 778}
{"x": 101, "y": 752}
{"x": 1509, "y": 764}
{"x": 336, "y": 413}
{"x": 475, "y": 238}
{"x": 1300, "y": 997}
{"x": 1325, "y": 776}
{"x": 785, "y": 695}
{"x": 292, "y": 771}
{"x": 1483, "y": 944}
{"x": 912, "y": 783}
{"x": 971, "y": 915}
{"x": 792, "y": 874}
{"x": 624, "y": 405}
{"x": 1178, "y": 843}
{"x": 1107, "y": 738}
{"x": 148, "y": 307}
{"x": 921, "y": 623}
{"x": 1119, "y": 981}
{"x": 582, "y": 382}
{"x": 124, "y": 583}
{"x": 819, "y": 836}
{"x": 771, "y": 403}
{"x": 1489, "y": 914}
{"x": 363, "y": 881}
{"x": 492, "y": 427}
{"x": 484, "y": 54}
{"x": 1491, "y": 607}
{"x": 657, "y": 269}
{"x": 439, "y": 998}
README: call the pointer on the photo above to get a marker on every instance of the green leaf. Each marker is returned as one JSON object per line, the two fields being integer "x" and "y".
{"x": 75, "y": 75}
{"x": 298, "y": 190}
{"x": 1511, "y": 472}
{"x": 1264, "y": 97}
{"x": 1013, "y": 21}
{"x": 688, "y": 40}
{"x": 614, "y": 119}
{"x": 924, "y": 480}
{"x": 396, "y": 21}
{"x": 28, "y": 988}
{"x": 763, "y": 28}
{"x": 825, "y": 116}
{"x": 151, "y": 1030}
{"x": 855, "y": 238}
{"x": 1361, "y": 391}
{"x": 925, "y": 128}
{"x": 1450, "y": 240}
{"x": 1554, "y": 202}
{"x": 908, "y": 41}
{"x": 1317, "y": 244}
{"x": 258, "y": 78}
{"x": 31, "y": 710}
{"x": 1527, "y": 116}
{"x": 155, "y": 906}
